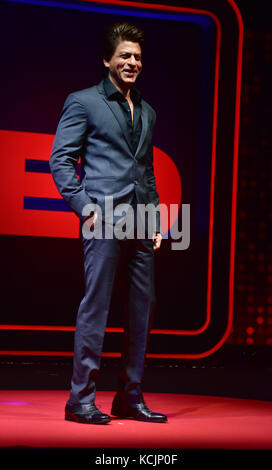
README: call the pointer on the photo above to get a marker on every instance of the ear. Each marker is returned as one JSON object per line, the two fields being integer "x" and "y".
{"x": 106, "y": 63}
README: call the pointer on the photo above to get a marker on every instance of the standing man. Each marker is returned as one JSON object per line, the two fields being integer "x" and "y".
{"x": 110, "y": 126}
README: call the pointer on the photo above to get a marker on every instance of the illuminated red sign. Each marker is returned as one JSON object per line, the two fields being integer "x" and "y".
{"x": 30, "y": 202}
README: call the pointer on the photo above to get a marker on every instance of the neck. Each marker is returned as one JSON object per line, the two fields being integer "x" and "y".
{"x": 123, "y": 88}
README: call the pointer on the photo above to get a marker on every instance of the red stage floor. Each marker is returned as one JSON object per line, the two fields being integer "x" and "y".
{"x": 35, "y": 419}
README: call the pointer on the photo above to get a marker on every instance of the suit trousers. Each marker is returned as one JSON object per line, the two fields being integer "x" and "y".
{"x": 101, "y": 259}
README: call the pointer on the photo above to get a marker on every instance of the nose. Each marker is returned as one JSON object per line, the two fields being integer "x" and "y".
{"x": 132, "y": 60}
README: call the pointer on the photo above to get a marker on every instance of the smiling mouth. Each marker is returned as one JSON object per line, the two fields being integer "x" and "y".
{"x": 129, "y": 72}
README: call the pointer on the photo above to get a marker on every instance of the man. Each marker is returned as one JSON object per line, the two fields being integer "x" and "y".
{"x": 110, "y": 126}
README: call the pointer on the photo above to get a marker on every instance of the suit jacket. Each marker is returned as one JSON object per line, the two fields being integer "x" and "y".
{"x": 94, "y": 128}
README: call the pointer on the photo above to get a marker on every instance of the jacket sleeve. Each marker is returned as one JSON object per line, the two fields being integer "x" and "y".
{"x": 151, "y": 183}
{"x": 67, "y": 146}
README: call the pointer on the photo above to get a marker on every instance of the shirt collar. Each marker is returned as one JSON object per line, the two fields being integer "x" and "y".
{"x": 112, "y": 92}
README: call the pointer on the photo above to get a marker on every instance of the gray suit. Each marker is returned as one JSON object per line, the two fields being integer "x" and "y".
{"x": 94, "y": 127}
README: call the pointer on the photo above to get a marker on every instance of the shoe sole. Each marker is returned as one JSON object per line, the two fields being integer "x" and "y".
{"x": 77, "y": 419}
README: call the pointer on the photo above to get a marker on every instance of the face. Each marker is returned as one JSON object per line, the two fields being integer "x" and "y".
{"x": 125, "y": 64}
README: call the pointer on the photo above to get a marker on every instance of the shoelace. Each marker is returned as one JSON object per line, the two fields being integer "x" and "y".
{"x": 93, "y": 407}
{"x": 145, "y": 407}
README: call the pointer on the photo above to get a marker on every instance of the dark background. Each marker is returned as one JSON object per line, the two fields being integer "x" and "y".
{"x": 43, "y": 276}
{"x": 242, "y": 367}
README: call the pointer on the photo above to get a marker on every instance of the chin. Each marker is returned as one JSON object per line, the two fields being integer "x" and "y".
{"x": 130, "y": 79}
{"x": 128, "y": 82}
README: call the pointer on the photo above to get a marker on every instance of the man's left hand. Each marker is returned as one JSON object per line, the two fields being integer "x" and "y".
{"x": 157, "y": 238}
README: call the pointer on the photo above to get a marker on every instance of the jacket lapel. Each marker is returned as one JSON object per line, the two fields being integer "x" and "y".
{"x": 144, "y": 117}
{"x": 118, "y": 114}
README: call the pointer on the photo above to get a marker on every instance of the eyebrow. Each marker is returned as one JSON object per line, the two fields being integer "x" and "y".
{"x": 131, "y": 53}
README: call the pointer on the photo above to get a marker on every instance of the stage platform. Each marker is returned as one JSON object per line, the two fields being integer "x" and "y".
{"x": 35, "y": 418}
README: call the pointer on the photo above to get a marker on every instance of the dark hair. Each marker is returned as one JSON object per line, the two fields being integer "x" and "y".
{"x": 120, "y": 32}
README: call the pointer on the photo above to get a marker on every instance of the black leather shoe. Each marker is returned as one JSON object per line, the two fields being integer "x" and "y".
{"x": 138, "y": 411}
{"x": 85, "y": 413}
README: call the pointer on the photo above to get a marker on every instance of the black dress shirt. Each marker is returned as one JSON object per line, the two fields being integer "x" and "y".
{"x": 135, "y": 127}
